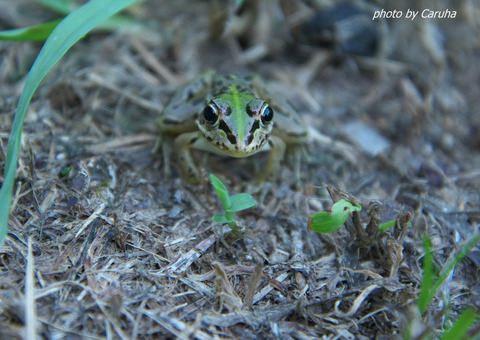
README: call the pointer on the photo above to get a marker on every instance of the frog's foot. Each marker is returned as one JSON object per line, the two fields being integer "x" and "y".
{"x": 277, "y": 152}
{"x": 163, "y": 144}
{"x": 295, "y": 152}
{"x": 260, "y": 188}
{"x": 182, "y": 145}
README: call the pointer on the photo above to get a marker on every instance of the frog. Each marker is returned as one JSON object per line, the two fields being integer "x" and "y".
{"x": 231, "y": 115}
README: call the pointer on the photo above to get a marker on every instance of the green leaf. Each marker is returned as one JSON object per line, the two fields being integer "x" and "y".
{"x": 221, "y": 192}
{"x": 221, "y": 218}
{"x": 119, "y": 22}
{"x": 325, "y": 222}
{"x": 241, "y": 202}
{"x": 65, "y": 35}
{"x": 32, "y": 33}
{"x": 115, "y": 22}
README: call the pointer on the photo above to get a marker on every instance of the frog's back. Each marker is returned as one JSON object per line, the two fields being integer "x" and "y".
{"x": 183, "y": 108}
{"x": 231, "y": 83}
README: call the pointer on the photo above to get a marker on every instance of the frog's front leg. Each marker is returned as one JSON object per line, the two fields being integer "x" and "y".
{"x": 182, "y": 145}
{"x": 296, "y": 150}
{"x": 277, "y": 153}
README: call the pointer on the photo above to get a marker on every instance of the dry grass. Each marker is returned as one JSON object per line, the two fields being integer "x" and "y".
{"x": 118, "y": 251}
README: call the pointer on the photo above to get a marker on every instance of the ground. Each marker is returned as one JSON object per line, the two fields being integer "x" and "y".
{"x": 121, "y": 251}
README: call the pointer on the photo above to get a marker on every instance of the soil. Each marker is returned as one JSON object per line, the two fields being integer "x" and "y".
{"x": 122, "y": 247}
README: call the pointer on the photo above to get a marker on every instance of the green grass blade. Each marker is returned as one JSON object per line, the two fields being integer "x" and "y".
{"x": 119, "y": 22}
{"x": 427, "y": 282}
{"x": 32, "y": 33}
{"x": 64, "y": 36}
{"x": 461, "y": 254}
{"x": 429, "y": 288}
{"x": 115, "y": 22}
{"x": 461, "y": 326}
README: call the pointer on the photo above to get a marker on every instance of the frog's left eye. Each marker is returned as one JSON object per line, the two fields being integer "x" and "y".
{"x": 210, "y": 114}
{"x": 266, "y": 114}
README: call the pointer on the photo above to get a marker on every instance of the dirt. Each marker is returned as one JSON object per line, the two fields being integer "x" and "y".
{"x": 120, "y": 250}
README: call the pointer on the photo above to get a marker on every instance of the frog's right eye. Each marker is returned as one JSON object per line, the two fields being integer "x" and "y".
{"x": 210, "y": 114}
{"x": 266, "y": 114}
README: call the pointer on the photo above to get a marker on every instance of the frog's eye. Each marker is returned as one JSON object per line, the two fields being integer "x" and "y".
{"x": 210, "y": 114}
{"x": 266, "y": 114}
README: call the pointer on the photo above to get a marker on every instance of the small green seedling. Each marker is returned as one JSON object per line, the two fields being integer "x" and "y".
{"x": 326, "y": 222}
{"x": 384, "y": 226}
{"x": 231, "y": 204}
{"x": 65, "y": 171}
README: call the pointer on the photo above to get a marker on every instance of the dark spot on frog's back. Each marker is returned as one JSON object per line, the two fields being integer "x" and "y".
{"x": 171, "y": 121}
{"x": 189, "y": 94}
{"x": 219, "y": 83}
{"x": 244, "y": 88}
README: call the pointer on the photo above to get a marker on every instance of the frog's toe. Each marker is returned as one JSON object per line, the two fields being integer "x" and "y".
{"x": 259, "y": 187}
{"x": 191, "y": 176}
